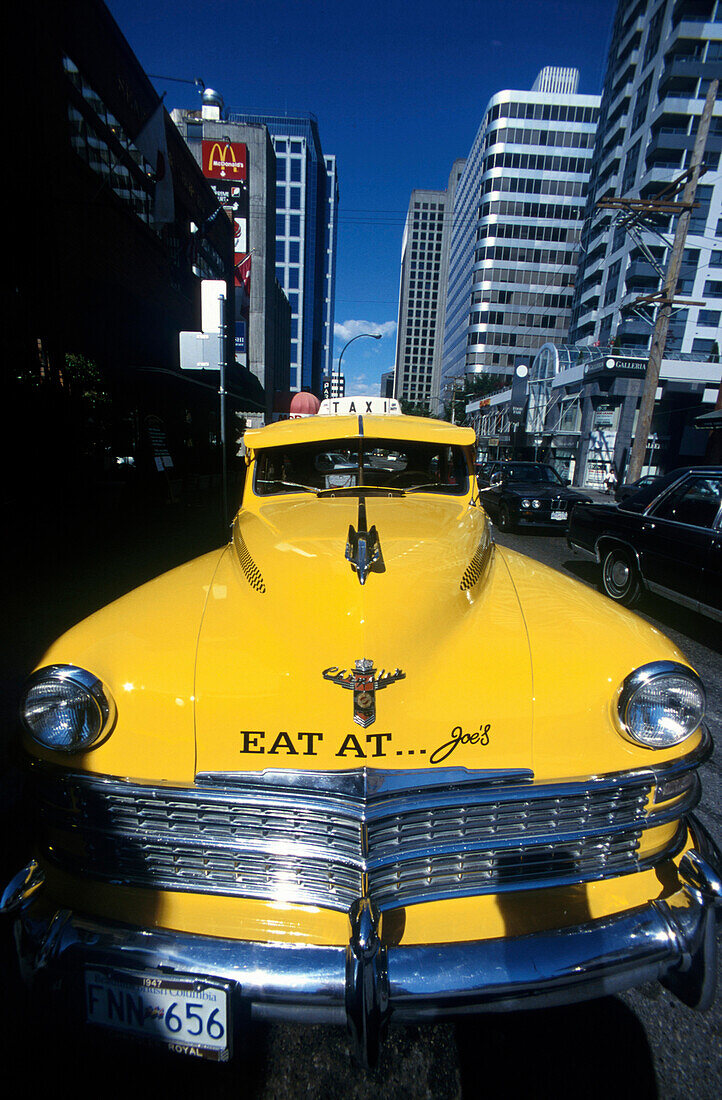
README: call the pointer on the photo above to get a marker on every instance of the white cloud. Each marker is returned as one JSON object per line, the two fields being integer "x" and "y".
{"x": 346, "y": 330}
{"x": 366, "y": 382}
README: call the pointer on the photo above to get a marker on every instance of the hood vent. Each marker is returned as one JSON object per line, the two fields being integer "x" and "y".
{"x": 476, "y": 566}
{"x": 248, "y": 565}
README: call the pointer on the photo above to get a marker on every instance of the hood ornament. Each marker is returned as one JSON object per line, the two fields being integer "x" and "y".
{"x": 364, "y": 682}
{"x": 363, "y": 547}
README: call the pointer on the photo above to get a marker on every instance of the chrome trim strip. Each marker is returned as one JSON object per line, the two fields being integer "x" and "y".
{"x": 585, "y": 553}
{"x": 713, "y": 612}
{"x": 365, "y": 782}
{"x": 685, "y": 601}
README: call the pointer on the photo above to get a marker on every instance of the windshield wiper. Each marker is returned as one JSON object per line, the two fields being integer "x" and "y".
{"x": 363, "y": 490}
{"x": 289, "y": 485}
{"x": 429, "y": 485}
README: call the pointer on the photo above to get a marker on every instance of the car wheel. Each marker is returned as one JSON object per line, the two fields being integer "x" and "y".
{"x": 504, "y": 518}
{"x": 620, "y": 577}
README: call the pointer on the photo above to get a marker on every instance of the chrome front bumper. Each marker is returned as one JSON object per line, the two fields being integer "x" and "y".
{"x": 366, "y": 982}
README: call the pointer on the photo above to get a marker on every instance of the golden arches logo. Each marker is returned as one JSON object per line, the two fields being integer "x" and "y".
{"x": 222, "y": 158}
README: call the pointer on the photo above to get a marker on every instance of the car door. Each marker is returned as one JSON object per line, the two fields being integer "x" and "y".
{"x": 711, "y": 598}
{"x": 489, "y": 492}
{"x": 677, "y": 538}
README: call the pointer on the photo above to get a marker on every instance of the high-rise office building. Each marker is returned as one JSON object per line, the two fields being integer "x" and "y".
{"x": 517, "y": 217}
{"x": 338, "y": 385}
{"x": 424, "y": 261}
{"x": 306, "y": 228}
{"x": 386, "y": 389}
{"x": 661, "y": 60}
{"x": 329, "y": 289}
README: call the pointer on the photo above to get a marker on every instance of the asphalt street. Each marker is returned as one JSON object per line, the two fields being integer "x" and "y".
{"x": 641, "y": 1044}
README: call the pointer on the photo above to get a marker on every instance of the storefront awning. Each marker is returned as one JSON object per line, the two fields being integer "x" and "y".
{"x": 709, "y": 420}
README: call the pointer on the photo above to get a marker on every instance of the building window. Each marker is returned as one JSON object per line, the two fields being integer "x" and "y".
{"x": 705, "y": 347}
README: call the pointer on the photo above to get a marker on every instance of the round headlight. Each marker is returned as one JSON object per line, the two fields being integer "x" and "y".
{"x": 66, "y": 708}
{"x": 536, "y": 504}
{"x": 660, "y": 704}
{"x": 526, "y": 503}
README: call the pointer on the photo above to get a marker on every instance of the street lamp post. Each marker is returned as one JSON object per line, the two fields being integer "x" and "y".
{"x": 373, "y": 335}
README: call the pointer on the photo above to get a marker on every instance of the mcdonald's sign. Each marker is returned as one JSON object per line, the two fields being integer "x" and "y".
{"x": 223, "y": 160}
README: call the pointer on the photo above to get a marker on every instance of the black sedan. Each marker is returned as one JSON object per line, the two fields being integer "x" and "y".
{"x": 625, "y": 491}
{"x": 517, "y": 493}
{"x": 667, "y": 539}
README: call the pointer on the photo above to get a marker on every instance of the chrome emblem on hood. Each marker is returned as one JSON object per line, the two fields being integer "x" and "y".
{"x": 364, "y": 682}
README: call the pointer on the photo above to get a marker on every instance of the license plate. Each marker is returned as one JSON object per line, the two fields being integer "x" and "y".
{"x": 559, "y": 515}
{"x": 189, "y": 1015}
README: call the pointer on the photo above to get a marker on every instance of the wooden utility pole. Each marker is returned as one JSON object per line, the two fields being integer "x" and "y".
{"x": 666, "y": 297}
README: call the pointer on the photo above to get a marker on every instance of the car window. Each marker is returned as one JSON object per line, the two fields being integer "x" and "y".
{"x": 696, "y": 502}
{"x": 412, "y": 466}
{"x": 531, "y": 472}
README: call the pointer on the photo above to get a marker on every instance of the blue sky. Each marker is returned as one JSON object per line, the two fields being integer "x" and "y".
{"x": 399, "y": 88}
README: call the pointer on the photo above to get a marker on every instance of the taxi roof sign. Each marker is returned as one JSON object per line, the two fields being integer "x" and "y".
{"x": 359, "y": 406}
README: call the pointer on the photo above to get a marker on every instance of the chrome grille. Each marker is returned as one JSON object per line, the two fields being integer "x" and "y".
{"x": 324, "y": 838}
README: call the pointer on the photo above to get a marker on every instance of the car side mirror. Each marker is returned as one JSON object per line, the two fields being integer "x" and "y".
{"x": 496, "y": 479}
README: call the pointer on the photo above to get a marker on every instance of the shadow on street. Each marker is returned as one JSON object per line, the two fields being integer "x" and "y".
{"x": 594, "y": 1049}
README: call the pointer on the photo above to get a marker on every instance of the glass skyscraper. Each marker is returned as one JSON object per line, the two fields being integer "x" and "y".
{"x": 306, "y": 231}
{"x": 424, "y": 264}
{"x": 517, "y": 217}
{"x": 661, "y": 60}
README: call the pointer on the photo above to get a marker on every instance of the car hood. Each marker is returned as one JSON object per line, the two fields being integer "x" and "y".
{"x": 490, "y": 660}
{"x": 287, "y": 619}
{"x": 542, "y": 492}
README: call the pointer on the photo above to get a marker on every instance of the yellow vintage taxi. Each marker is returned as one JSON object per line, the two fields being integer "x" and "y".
{"x": 361, "y": 764}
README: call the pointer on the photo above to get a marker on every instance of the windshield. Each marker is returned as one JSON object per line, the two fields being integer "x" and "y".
{"x": 532, "y": 473}
{"x": 382, "y": 465}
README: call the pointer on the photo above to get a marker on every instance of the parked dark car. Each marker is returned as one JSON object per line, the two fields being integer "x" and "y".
{"x": 666, "y": 538}
{"x": 516, "y": 493}
{"x": 623, "y": 492}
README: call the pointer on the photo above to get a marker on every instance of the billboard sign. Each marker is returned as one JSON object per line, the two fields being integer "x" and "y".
{"x": 518, "y": 393}
{"x": 224, "y": 160}
{"x": 615, "y": 365}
